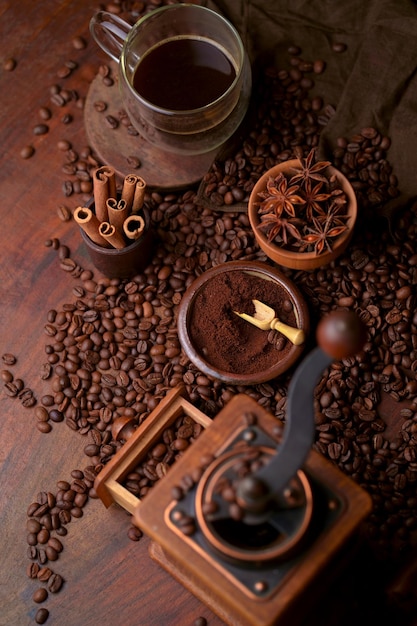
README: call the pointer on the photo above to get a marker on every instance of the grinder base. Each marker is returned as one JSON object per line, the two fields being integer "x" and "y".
{"x": 262, "y": 591}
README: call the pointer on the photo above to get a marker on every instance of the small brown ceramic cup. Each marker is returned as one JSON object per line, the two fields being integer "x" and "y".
{"x": 126, "y": 262}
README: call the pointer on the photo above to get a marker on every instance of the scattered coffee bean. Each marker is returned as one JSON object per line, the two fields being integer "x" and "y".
{"x": 64, "y": 213}
{"x": 64, "y": 71}
{"x": 133, "y": 162}
{"x": 8, "y": 358}
{"x": 64, "y": 145}
{"x": 100, "y": 106}
{"x": 41, "y": 616}
{"x": 55, "y": 583}
{"x": 44, "y": 427}
{"x": 27, "y": 152}
{"x": 79, "y": 43}
{"x": 68, "y": 188}
{"x": 9, "y": 64}
{"x": 67, "y": 118}
{"x": 111, "y": 121}
{"x": 134, "y": 533}
{"x": 44, "y": 574}
{"x": 319, "y": 66}
{"x": 338, "y": 46}
{"x": 6, "y": 376}
{"x": 32, "y": 570}
{"x": 40, "y": 595}
{"x": 41, "y": 129}
{"x": 45, "y": 113}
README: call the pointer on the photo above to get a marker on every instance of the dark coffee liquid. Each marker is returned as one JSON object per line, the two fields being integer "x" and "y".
{"x": 183, "y": 74}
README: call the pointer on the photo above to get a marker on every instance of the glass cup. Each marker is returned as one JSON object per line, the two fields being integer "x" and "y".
{"x": 185, "y": 131}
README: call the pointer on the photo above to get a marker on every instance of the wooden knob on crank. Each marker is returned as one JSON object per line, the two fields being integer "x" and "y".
{"x": 341, "y": 334}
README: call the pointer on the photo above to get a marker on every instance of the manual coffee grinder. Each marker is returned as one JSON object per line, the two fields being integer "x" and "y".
{"x": 251, "y": 518}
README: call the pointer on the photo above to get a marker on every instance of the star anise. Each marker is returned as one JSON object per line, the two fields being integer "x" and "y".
{"x": 304, "y": 209}
{"x": 310, "y": 170}
{"x": 314, "y": 198}
{"x": 335, "y": 213}
{"x": 279, "y": 228}
{"x": 322, "y": 232}
{"x": 279, "y": 197}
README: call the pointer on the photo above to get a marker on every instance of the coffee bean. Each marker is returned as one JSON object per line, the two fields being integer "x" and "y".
{"x": 68, "y": 188}
{"x": 9, "y": 64}
{"x": 51, "y": 553}
{"x": 100, "y": 106}
{"x": 64, "y": 213}
{"x": 79, "y": 43}
{"x": 8, "y": 358}
{"x": 27, "y": 152}
{"x": 133, "y": 161}
{"x": 134, "y": 533}
{"x": 64, "y": 71}
{"x": 111, "y": 121}
{"x": 41, "y": 129}
{"x": 40, "y": 595}
{"x": 44, "y": 574}
{"x": 32, "y": 553}
{"x": 45, "y": 113}
{"x": 41, "y": 616}
{"x": 32, "y": 570}
{"x": 339, "y": 47}
{"x": 55, "y": 583}
{"x": 319, "y": 66}
{"x": 6, "y": 376}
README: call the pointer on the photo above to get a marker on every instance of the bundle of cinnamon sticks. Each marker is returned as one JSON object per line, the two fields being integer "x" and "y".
{"x": 116, "y": 222}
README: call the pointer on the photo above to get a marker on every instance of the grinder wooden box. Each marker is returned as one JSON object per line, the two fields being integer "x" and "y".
{"x": 109, "y": 482}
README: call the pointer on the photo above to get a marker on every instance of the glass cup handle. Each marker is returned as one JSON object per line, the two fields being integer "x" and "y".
{"x": 109, "y": 32}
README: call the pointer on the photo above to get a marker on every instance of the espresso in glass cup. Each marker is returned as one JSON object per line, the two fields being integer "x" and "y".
{"x": 184, "y": 75}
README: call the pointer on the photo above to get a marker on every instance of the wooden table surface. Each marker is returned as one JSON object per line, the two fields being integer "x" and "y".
{"x": 109, "y": 580}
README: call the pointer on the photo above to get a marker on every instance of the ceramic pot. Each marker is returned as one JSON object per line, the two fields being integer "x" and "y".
{"x": 198, "y": 354}
{"x": 126, "y": 262}
{"x": 290, "y": 258}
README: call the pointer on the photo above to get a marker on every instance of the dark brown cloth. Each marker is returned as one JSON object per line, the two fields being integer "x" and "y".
{"x": 372, "y": 83}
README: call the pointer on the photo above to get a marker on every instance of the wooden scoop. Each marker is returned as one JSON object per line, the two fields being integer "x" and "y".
{"x": 265, "y": 319}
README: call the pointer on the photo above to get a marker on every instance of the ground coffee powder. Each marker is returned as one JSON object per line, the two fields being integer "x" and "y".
{"x": 228, "y": 342}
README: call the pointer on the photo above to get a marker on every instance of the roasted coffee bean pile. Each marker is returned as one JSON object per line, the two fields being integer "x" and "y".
{"x": 288, "y": 124}
{"x": 113, "y": 349}
{"x": 155, "y": 465}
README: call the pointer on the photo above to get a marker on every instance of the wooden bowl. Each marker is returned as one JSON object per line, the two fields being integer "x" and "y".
{"x": 247, "y": 335}
{"x": 289, "y": 258}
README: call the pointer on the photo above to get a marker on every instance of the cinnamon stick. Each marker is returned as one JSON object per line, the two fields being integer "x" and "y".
{"x": 139, "y": 196}
{"x": 104, "y": 187}
{"x": 133, "y": 226}
{"x": 111, "y": 236}
{"x": 128, "y": 190}
{"x": 117, "y": 212}
{"x": 86, "y": 219}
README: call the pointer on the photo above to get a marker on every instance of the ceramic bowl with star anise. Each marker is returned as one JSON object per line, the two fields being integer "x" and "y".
{"x": 303, "y": 213}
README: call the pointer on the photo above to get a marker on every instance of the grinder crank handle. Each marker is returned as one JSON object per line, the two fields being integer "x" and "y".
{"x": 339, "y": 335}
